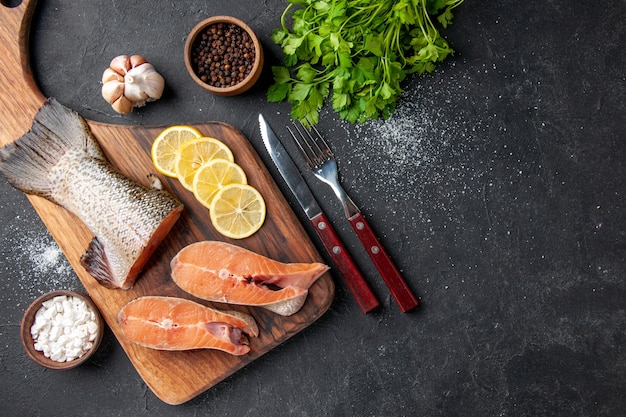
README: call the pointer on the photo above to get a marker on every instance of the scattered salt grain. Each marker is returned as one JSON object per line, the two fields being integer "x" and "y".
{"x": 420, "y": 150}
{"x": 39, "y": 264}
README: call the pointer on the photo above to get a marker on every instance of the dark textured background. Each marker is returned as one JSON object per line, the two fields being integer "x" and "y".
{"x": 498, "y": 187}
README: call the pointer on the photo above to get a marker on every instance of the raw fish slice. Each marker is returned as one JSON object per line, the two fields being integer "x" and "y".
{"x": 219, "y": 271}
{"x": 60, "y": 160}
{"x": 170, "y": 323}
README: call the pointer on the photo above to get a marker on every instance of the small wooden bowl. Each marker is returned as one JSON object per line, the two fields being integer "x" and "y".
{"x": 29, "y": 343}
{"x": 248, "y": 81}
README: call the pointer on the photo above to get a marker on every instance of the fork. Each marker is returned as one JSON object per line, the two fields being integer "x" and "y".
{"x": 320, "y": 159}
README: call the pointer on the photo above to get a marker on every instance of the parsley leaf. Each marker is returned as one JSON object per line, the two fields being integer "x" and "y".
{"x": 355, "y": 53}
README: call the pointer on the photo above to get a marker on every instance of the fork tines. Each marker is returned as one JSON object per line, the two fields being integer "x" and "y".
{"x": 312, "y": 145}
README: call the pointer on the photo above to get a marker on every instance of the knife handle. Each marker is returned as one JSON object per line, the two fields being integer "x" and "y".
{"x": 352, "y": 276}
{"x": 393, "y": 279}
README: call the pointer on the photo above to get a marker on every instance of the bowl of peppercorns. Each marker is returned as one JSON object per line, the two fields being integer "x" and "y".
{"x": 223, "y": 55}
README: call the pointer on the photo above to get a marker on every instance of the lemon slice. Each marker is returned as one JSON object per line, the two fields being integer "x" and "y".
{"x": 213, "y": 176}
{"x": 237, "y": 211}
{"x": 196, "y": 152}
{"x": 166, "y": 144}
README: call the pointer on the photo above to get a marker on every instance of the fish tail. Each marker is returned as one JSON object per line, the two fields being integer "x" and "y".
{"x": 28, "y": 162}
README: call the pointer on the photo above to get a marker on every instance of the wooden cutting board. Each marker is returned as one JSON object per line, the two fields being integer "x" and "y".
{"x": 175, "y": 377}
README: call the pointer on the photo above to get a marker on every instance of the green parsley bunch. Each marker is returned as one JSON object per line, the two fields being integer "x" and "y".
{"x": 361, "y": 49}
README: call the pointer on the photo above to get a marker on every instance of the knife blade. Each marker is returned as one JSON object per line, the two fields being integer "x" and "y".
{"x": 360, "y": 289}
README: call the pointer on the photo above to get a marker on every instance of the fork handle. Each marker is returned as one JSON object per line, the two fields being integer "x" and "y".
{"x": 389, "y": 272}
{"x": 357, "y": 285}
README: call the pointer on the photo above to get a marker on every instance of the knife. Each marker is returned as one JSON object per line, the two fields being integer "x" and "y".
{"x": 357, "y": 285}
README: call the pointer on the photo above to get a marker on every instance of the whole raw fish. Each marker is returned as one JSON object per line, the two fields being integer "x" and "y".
{"x": 60, "y": 160}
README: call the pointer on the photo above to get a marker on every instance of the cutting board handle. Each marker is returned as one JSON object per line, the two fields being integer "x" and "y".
{"x": 22, "y": 97}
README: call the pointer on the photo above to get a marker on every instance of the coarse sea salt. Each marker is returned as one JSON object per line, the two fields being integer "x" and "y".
{"x": 64, "y": 328}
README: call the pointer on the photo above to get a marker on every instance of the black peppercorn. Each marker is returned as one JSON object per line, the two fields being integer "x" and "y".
{"x": 225, "y": 52}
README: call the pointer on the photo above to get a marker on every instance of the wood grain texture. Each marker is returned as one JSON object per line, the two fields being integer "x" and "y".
{"x": 175, "y": 377}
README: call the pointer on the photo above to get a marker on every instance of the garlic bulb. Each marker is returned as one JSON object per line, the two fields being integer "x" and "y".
{"x": 131, "y": 82}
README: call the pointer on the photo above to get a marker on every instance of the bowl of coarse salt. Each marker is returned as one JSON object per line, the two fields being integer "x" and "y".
{"x": 61, "y": 329}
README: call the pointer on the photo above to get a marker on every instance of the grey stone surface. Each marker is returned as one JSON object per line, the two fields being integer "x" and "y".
{"x": 498, "y": 187}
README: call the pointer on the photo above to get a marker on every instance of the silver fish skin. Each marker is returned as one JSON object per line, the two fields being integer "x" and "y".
{"x": 60, "y": 160}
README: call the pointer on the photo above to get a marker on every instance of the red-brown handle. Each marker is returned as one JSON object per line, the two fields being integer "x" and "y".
{"x": 352, "y": 276}
{"x": 388, "y": 271}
